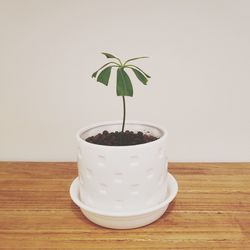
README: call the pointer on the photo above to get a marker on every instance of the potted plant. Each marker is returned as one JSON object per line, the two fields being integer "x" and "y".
{"x": 123, "y": 181}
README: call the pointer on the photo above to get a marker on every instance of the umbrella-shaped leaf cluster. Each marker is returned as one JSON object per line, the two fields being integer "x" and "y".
{"x": 124, "y": 85}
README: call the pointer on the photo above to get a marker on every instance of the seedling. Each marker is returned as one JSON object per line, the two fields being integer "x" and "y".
{"x": 124, "y": 85}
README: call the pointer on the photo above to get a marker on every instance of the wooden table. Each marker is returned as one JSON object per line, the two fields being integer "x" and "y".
{"x": 211, "y": 210}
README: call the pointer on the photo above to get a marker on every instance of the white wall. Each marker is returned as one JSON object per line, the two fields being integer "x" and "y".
{"x": 199, "y": 62}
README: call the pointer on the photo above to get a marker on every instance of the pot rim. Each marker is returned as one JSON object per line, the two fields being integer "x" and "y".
{"x": 84, "y": 129}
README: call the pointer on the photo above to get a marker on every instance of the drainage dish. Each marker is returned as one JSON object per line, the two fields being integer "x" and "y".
{"x": 124, "y": 220}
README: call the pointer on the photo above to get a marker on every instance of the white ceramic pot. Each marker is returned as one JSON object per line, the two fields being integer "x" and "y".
{"x": 122, "y": 178}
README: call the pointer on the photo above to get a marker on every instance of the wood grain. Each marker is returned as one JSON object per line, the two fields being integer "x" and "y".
{"x": 211, "y": 210}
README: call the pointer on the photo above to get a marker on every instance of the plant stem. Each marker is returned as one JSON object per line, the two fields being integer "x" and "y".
{"x": 124, "y": 118}
{"x": 124, "y": 113}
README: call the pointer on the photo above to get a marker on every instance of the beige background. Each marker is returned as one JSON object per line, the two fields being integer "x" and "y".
{"x": 199, "y": 62}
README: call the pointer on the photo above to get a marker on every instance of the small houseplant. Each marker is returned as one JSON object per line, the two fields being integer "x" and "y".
{"x": 122, "y": 174}
{"x": 124, "y": 88}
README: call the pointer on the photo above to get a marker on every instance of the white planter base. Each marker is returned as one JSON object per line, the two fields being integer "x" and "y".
{"x": 123, "y": 220}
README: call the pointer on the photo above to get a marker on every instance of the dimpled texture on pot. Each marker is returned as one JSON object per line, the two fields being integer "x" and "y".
{"x": 122, "y": 178}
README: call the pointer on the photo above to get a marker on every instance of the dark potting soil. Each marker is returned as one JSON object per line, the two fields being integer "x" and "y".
{"x": 121, "y": 139}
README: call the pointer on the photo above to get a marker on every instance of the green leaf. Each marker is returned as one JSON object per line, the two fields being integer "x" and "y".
{"x": 140, "y": 76}
{"x": 136, "y": 58}
{"x": 133, "y": 66}
{"x": 95, "y": 73}
{"x": 124, "y": 86}
{"x": 109, "y": 55}
{"x": 104, "y": 75}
